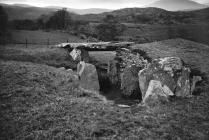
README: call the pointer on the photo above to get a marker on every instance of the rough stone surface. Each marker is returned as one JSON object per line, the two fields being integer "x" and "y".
{"x": 126, "y": 58}
{"x": 154, "y": 73}
{"x": 76, "y": 54}
{"x": 183, "y": 88}
{"x": 170, "y": 71}
{"x": 157, "y": 93}
{"x": 88, "y": 76}
{"x": 129, "y": 81}
{"x": 195, "y": 80}
{"x": 80, "y": 55}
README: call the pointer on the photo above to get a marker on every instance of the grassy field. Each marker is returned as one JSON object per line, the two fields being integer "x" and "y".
{"x": 38, "y": 101}
{"x": 42, "y": 37}
{"x": 143, "y": 33}
{"x": 41, "y": 54}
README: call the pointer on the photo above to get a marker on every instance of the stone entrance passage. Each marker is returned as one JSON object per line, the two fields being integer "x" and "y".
{"x": 131, "y": 77}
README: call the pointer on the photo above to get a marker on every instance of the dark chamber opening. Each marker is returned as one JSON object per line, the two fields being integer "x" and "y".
{"x": 113, "y": 92}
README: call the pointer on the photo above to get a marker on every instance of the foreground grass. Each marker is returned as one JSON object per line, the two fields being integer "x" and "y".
{"x": 38, "y": 101}
{"x": 42, "y": 102}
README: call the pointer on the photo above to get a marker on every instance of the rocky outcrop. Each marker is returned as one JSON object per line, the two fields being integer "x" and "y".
{"x": 170, "y": 72}
{"x": 130, "y": 82}
{"x": 88, "y": 77}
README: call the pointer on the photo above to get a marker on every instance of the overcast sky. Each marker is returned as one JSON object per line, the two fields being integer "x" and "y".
{"x": 81, "y": 4}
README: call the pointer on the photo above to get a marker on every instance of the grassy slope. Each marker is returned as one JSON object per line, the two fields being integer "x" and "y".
{"x": 56, "y": 57}
{"x": 143, "y": 33}
{"x": 192, "y": 53}
{"x": 42, "y": 102}
{"x": 41, "y": 37}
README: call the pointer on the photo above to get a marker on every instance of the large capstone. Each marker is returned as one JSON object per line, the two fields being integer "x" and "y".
{"x": 88, "y": 76}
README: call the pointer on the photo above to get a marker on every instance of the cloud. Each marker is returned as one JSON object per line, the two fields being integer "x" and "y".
{"x": 80, "y": 4}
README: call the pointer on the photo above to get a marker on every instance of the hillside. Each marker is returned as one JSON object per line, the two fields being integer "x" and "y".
{"x": 131, "y": 15}
{"x": 177, "y": 5}
{"x": 25, "y": 12}
{"x": 20, "y": 11}
{"x": 150, "y": 16}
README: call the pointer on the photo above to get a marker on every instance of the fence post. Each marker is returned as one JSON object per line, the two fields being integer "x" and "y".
{"x": 67, "y": 40}
{"x": 26, "y": 42}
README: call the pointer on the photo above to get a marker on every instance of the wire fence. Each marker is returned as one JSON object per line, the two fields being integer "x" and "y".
{"x": 47, "y": 41}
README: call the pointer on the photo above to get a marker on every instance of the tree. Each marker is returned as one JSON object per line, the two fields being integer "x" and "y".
{"x": 4, "y": 35}
{"x": 4, "y": 20}
{"x": 60, "y": 20}
{"x": 109, "y": 29}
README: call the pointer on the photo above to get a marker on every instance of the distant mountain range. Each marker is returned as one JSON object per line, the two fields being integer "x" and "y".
{"x": 207, "y": 3}
{"x": 150, "y": 15}
{"x": 177, "y": 5}
{"x": 22, "y": 11}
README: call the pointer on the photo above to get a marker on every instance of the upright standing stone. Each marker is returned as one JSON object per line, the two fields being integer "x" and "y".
{"x": 113, "y": 72}
{"x": 130, "y": 81}
{"x": 88, "y": 76}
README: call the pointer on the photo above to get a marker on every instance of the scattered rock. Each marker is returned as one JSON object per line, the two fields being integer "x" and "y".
{"x": 88, "y": 76}
{"x": 157, "y": 93}
{"x": 130, "y": 82}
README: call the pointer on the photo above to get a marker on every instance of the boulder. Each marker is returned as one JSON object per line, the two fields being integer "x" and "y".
{"x": 154, "y": 73}
{"x": 157, "y": 93}
{"x": 129, "y": 81}
{"x": 88, "y": 76}
{"x": 170, "y": 71}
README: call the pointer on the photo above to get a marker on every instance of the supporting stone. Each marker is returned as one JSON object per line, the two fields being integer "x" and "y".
{"x": 130, "y": 82}
{"x": 88, "y": 77}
